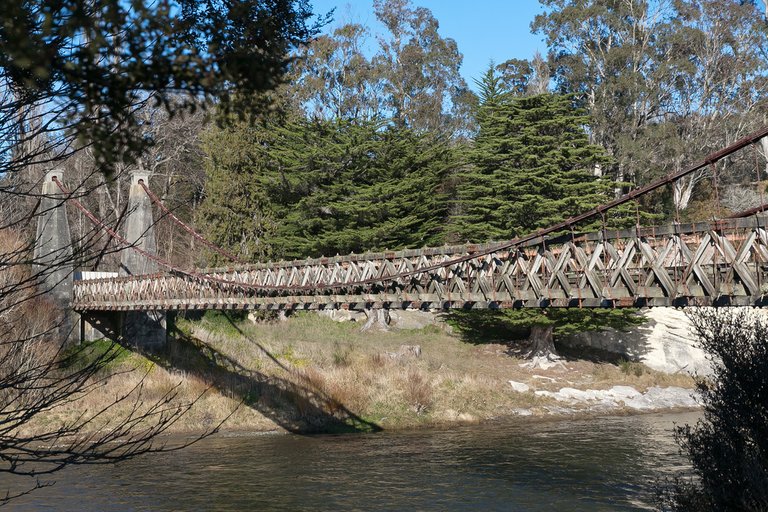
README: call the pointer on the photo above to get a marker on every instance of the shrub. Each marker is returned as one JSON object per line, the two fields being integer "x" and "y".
{"x": 418, "y": 391}
{"x": 632, "y": 368}
{"x": 728, "y": 447}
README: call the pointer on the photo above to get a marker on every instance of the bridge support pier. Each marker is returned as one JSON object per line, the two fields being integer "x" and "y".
{"x": 52, "y": 256}
{"x": 146, "y": 329}
{"x": 378, "y": 319}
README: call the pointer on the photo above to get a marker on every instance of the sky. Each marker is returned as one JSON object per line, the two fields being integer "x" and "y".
{"x": 485, "y": 30}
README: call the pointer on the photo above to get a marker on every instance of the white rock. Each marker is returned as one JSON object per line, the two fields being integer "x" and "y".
{"x": 343, "y": 315}
{"x": 665, "y": 342}
{"x": 654, "y": 398}
{"x": 622, "y": 392}
{"x": 672, "y": 397}
{"x": 520, "y": 387}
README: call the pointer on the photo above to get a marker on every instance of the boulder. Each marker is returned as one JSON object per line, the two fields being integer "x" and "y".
{"x": 343, "y": 315}
{"x": 665, "y": 342}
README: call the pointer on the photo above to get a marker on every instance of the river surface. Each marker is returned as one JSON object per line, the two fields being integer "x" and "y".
{"x": 573, "y": 465}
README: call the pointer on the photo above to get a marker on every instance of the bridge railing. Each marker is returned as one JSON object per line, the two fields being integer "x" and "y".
{"x": 722, "y": 262}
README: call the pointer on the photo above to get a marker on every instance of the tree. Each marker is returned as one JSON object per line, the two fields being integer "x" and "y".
{"x": 236, "y": 212}
{"x": 532, "y": 166}
{"x": 412, "y": 77}
{"x": 728, "y": 446}
{"x": 74, "y": 77}
{"x": 335, "y": 186}
{"x": 663, "y": 81}
{"x": 334, "y": 79}
{"x": 422, "y": 88}
{"x": 369, "y": 187}
{"x": 603, "y": 51}
{"x": 718, "y": 53}
{"x": 524, "y": 78}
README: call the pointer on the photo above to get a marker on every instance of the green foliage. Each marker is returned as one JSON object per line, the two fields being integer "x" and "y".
{"x": 409, "y": 75}
{"x": 349, "y": 187}
{"x": 532, "y": 166}
{"x": 728, "y": 446}
{"x": 665, "y": 83}
{"x": 223, "y": 322}
{"x": 288, "y": 354}
{"x": 482, "y": 326}
{"x": 91, "y": 64}
{"x": 105, "y": 355}
{"x": 312, "y": 188}
{"x": 236, "y": 213}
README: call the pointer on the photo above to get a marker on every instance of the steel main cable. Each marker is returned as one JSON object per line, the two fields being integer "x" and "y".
{"x": 599, "y": 210}
{"x": 153, "y": 197}
{"x": 112, "y": 233}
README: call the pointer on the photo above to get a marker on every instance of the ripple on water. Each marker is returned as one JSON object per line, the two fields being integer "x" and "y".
{"x": 577, "y": 465}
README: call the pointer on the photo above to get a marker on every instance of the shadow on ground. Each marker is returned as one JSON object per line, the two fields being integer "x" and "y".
{"x": 294, "y": 405}
{"x": 513, "y": 327}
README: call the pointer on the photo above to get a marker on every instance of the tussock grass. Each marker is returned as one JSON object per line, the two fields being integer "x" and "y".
{"x": 310, "y": 373}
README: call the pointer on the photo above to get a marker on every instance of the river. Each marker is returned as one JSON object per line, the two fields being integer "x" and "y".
{"x": 566, "y": 465}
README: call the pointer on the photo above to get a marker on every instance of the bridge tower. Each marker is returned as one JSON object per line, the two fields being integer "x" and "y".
{"x": 141, "y": 328}
{"x": 52, "y": 255}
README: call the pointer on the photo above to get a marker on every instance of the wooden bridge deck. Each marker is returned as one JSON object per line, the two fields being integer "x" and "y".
{"x": 718, "y": 263}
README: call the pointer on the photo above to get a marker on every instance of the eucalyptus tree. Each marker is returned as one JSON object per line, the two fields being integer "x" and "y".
{"x": 422, "y": 87}
{"x": 604, "y": 51}
{"x": 335, "y": 79}
{"x": 409, "y": 75}
{"x": 664, "y": 82}
{"x": 719, "y": 53}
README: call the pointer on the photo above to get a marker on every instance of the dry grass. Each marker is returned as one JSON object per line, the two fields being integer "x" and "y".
{"x": 311, "y": 373}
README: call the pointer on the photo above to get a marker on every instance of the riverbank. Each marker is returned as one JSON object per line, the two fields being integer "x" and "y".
{"x": 311, "y": 374}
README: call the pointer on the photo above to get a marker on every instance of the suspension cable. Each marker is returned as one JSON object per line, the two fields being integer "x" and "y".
{"x": 153, "y": 197}
{"x": 599, "y": 210}
{"x": 173, "y": 268}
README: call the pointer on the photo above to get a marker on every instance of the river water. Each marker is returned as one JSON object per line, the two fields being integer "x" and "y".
{"x": 574, "y": 465}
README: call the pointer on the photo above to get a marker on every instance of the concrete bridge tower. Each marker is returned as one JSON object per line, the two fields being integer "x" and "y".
{"x": 142, "y": 328}
{"x": 52, "y": 255}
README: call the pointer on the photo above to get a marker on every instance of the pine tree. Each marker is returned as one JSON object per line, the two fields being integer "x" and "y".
{"x": 236, "y": 213}
{"x": 301, "y": 188}
{"x": 353, "y": 186}
{"x": 532, "y": 166}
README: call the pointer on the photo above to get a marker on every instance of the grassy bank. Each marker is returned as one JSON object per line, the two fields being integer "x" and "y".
{"x": 310, "y": 373}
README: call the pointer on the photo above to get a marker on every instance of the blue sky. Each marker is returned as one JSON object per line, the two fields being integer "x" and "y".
{"x": 485, "y": 30}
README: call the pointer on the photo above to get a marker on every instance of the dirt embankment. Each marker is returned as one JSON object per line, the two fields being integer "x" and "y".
{"x": 313, "y": 374}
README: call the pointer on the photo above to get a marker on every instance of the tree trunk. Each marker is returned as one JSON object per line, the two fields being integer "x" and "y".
{"x": 378, "y": 320}
{"x": 542, "y": 342}
{"x": 542, "y": 354}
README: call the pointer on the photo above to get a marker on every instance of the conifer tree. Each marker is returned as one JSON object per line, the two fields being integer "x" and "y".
{"x": 236, "y": 213}
{"x": 306, "y": 188}
{"x": 345, "y": 187}
{"x": 532, "y": 166}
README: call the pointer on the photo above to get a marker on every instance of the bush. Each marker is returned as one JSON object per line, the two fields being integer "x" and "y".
{"x": 728, "y": 447}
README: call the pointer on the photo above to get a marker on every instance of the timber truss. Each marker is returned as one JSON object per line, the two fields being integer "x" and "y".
{"x": 720, "y": 263}
{"x": 723, "y": 262}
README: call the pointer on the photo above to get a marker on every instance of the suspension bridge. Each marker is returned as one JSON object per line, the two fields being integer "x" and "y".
{"x": 718, "y": 262}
